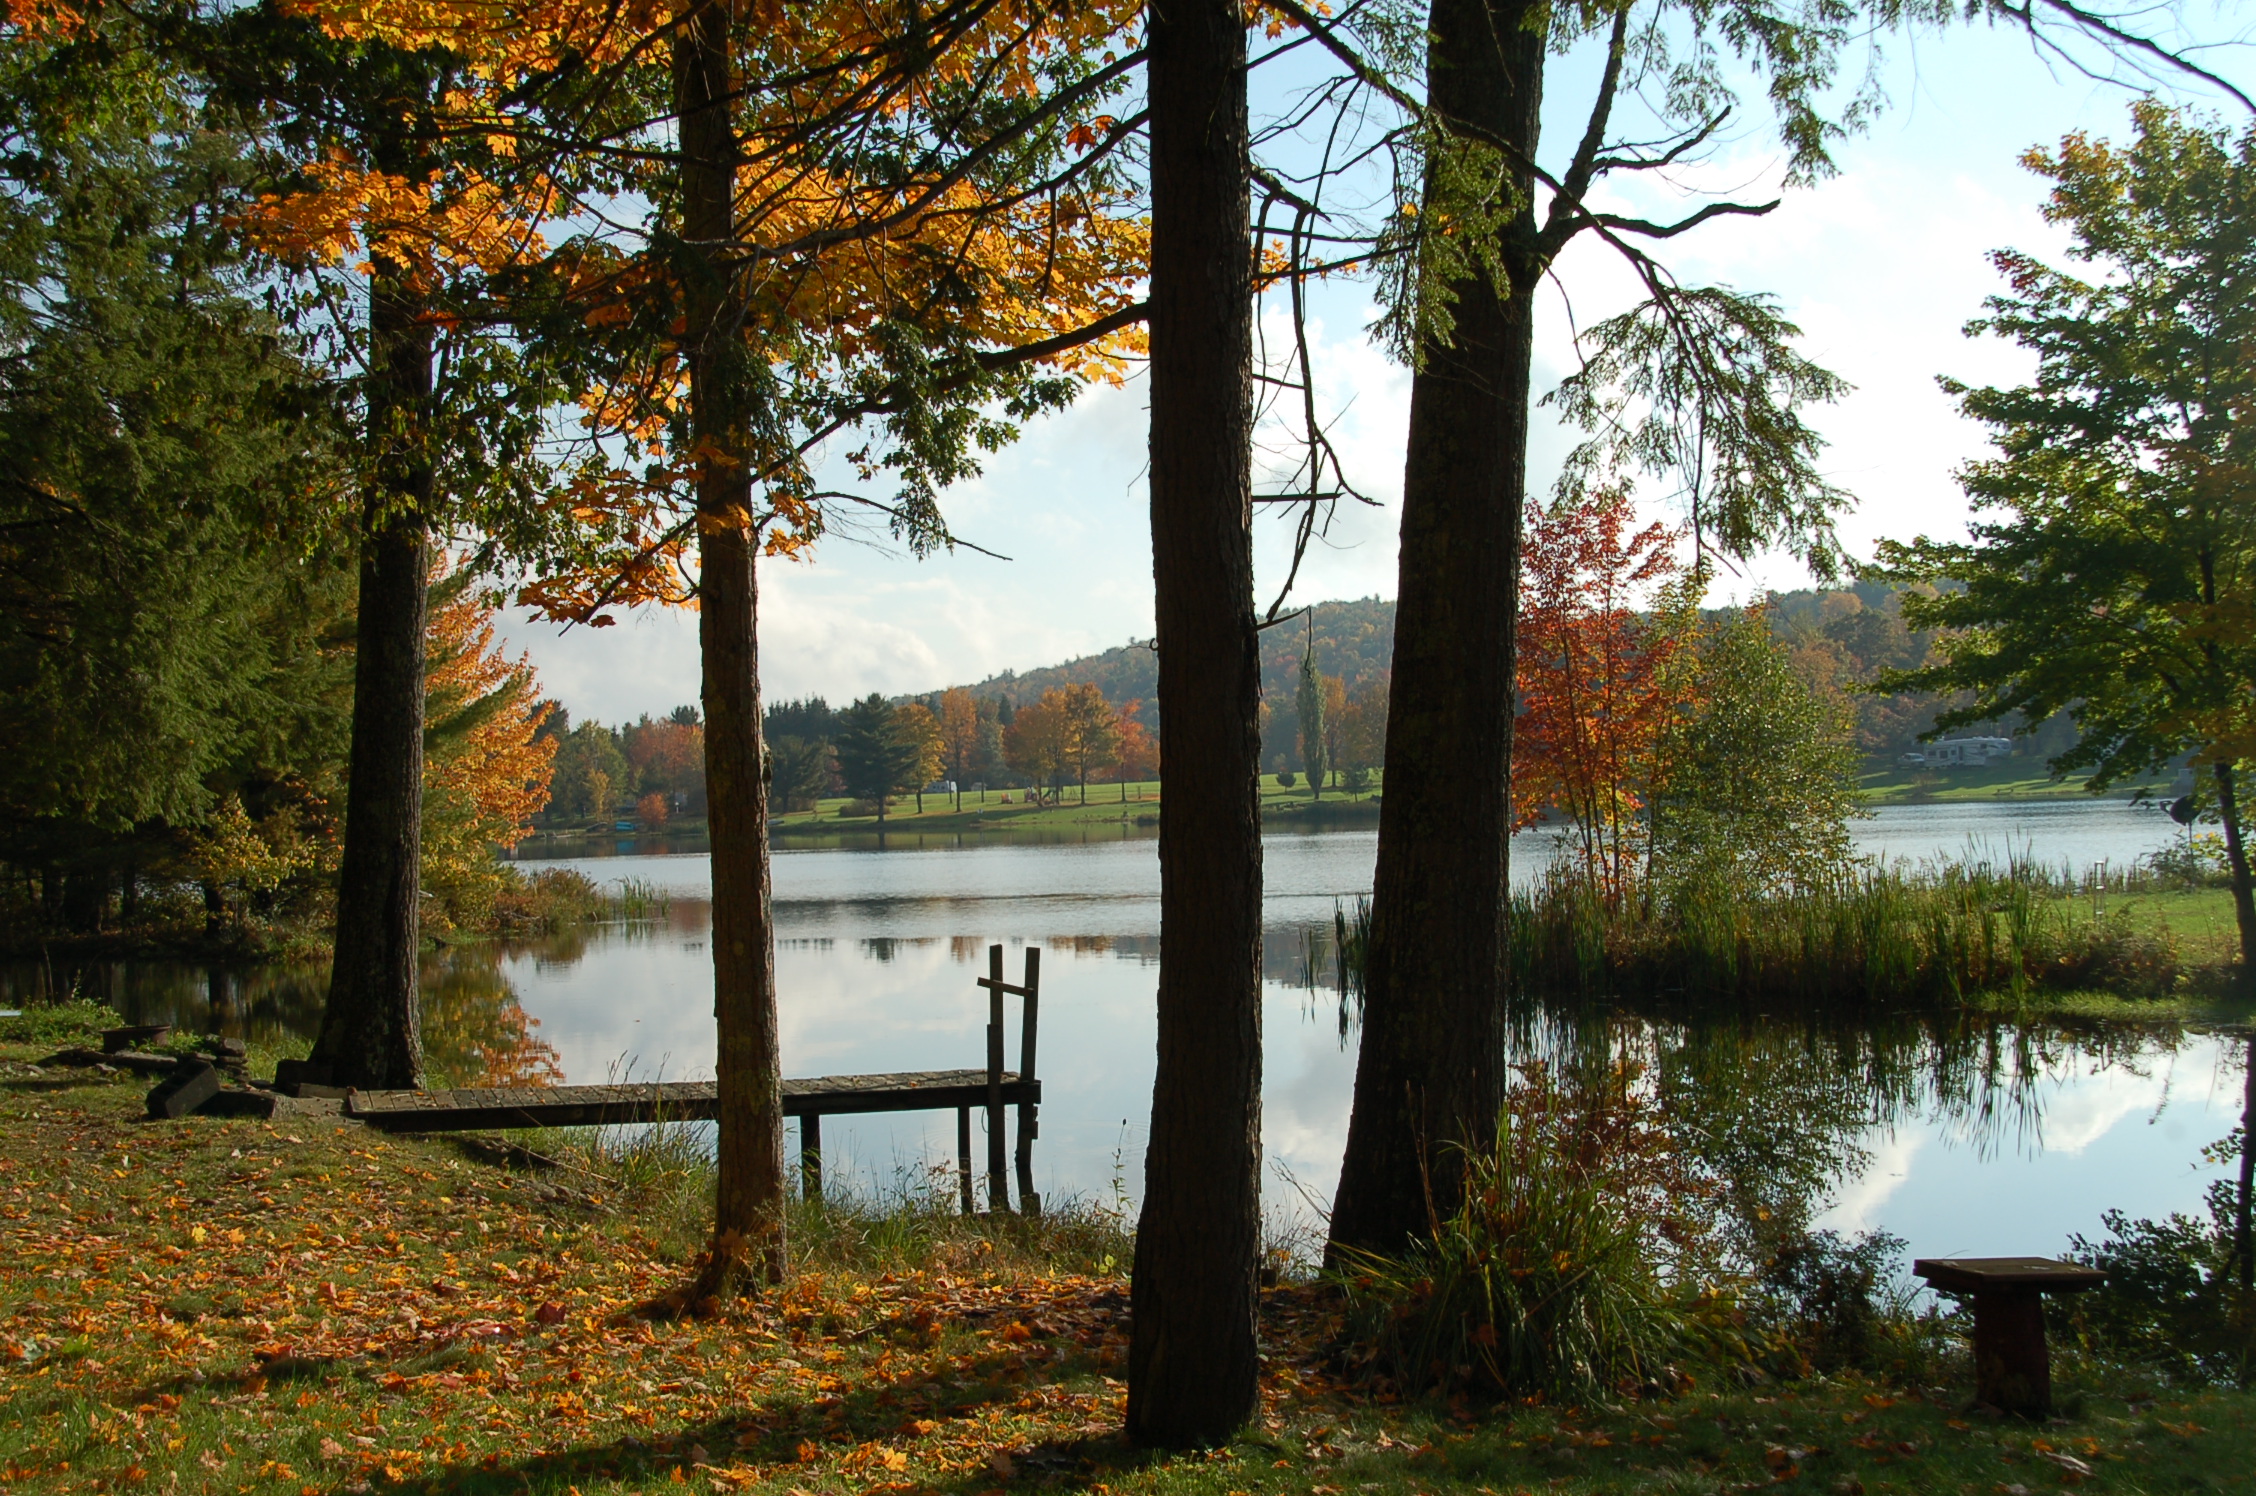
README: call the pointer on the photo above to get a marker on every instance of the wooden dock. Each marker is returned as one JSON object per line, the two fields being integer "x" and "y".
{"x": 673, "y": 1101}
{"x": 809, "y": 1099}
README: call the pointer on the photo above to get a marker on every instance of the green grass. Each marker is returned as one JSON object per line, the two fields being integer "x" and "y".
{"x": 1132, "y": 806}
{"x": 253, "y": 1309}
{"x": 2200, "y": 919}
{"x": 2013, "y": 779}
{"x": 2019, "y": 939}
{"x": 1131, "y": 809}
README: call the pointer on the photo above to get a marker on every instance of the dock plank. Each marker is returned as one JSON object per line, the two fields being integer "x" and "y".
{"x": 673, "y": 1101}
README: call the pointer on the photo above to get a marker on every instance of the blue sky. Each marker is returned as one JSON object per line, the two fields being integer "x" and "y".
{"x": 1881, "y": 266}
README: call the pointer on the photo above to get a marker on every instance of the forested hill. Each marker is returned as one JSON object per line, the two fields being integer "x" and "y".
{"x": 1354, "y": 640}
{"x": 1839, "y": 638}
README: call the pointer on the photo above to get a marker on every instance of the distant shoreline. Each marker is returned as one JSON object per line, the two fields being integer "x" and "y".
{"x": 1281, "y": 809}
{"x": 2004, "y": 783}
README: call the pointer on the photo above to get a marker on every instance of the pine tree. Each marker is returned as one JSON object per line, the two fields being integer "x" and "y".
{"x": 877, "y": 757}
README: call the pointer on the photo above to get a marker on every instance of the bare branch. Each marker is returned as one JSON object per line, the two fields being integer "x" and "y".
{"x": 2145, "y": 46}
{"x": 1653, "y": 230}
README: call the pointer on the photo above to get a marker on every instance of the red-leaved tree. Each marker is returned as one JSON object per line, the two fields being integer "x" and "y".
{"x": 1602, "y": 626}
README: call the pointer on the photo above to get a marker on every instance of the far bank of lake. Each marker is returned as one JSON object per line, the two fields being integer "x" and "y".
{"x": 1124, "y": 812}
{"x": 2078, "y": 833}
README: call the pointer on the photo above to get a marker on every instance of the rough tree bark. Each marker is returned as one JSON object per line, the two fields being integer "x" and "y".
{"x": 1193, "y": 1368}
{"x": 370, "y": 1030}
{"x": 2236, "y": 862}
{"x": 1430, "y": 1070}
{"x": 748, "y": 1229}
{"x": 2244, "y": 1232}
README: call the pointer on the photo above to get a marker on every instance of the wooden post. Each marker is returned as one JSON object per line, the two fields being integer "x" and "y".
{"x": 2012, "y": 1371}
{"x": 1029, "y": 1123}
{"x": 998, "y": 1179}
{"x": 963, "y": 1159}
{"x": 810, "y": 1156}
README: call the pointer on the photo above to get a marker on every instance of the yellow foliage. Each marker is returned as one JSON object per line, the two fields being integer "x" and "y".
{"x": 255, "y": 856}
{"x": 827, "y": 259}
{"x": 487, "y": 769}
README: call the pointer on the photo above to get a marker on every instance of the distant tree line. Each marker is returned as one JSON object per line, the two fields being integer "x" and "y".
{"x": 875, "y": 750}
{"x": 650, "y": 769}
{"x": 1840, "y": 640}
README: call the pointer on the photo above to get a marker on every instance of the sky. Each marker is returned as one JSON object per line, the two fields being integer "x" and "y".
{"x": 1881, "y": 266}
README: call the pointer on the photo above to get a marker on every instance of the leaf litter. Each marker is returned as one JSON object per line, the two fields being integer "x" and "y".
{"x": 222, "y": 1306}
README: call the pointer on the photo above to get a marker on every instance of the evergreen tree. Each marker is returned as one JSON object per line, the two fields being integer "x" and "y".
{"x": 877, "y": 757}
{"x": 169, "y": 578}
{"x": 802, "y": 770}
{"x": 1194, "y": 1360}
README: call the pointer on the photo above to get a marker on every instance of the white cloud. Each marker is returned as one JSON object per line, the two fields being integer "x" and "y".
{"x": 1858, "y": 1204}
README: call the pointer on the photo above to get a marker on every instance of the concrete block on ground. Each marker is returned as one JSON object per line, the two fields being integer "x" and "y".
{"x": 189, "y": 1087}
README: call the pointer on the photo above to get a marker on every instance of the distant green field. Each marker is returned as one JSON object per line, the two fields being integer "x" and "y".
{"x": 1011, "y": 810}
{"x": 2014, "y": 779}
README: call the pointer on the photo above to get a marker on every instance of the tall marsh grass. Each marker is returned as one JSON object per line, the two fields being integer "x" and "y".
{"x": 554, "y": 899}
{"x": 1573, "y": 1265}
{"x": 1875, "y": 935}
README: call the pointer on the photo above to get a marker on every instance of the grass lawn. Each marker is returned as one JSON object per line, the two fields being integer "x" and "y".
{"x": 305, "y": 1307}
{"x": 2201, "y": 920}
{"x": 1108, "y": 804}
{"x": 2013, "y": 779}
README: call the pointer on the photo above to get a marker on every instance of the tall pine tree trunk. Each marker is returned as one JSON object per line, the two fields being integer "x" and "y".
{"x": 2236, "y": 863}
{"x": 2244, "y": 1229}
{"x": 1429, "y": 1075}
{"x": 1193, "y": 1368}
{"x": 748, "y": 1220}
{"x": 371, "y": 1030}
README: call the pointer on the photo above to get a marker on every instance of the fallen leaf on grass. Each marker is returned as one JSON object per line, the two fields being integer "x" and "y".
{"x": 999, "y": 1461}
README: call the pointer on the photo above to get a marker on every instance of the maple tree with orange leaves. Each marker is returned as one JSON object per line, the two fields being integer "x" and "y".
{"x": 1600, "y": 679}
{"x": 1137, "y": 753}
{"x": 488, "y": 769}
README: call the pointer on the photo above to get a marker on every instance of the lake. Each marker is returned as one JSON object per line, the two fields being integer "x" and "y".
{"x": 1982, "y": 1138}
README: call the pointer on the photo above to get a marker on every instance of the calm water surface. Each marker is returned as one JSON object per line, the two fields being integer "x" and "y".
{"x": 1962, "y": 1139}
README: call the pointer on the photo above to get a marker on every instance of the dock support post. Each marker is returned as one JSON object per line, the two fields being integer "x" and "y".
{"x": 998, "y": 1158}
{"x": 963, "y": 1159}
{"x": 998, "y": 1177}
{"x": 1029, "y": 1121}
{"x": 810, "y": 1156}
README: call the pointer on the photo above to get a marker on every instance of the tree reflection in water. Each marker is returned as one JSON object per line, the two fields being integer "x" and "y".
{"x": 475, "y": 1032}
{"x": 1787, "y": 1108}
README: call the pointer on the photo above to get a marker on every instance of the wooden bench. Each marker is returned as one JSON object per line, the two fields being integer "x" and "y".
{"x": 2012, "y": 1366}
{"x": 809, "y": 1099}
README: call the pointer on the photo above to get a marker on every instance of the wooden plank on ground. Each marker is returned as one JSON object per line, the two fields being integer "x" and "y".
{"x": 670, "y": 1101}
